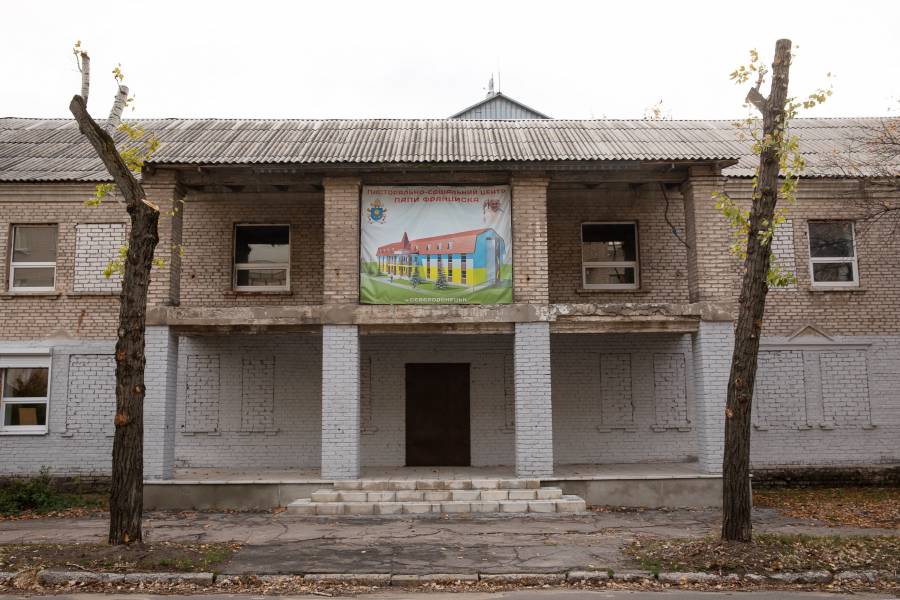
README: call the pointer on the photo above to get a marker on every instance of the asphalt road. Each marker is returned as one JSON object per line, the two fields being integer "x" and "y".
{"x": 523, "y": 595}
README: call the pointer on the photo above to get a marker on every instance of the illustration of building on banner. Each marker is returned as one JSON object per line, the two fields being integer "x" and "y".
{"x": 466, "y": 258}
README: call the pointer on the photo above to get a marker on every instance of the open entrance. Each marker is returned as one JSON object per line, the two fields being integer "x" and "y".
{"x": 437, "y": 415}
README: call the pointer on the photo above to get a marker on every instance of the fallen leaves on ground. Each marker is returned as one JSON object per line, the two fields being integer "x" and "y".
{"x": 768, "y": 553}
{"x": 846, "y": 506}
{"x": 160, "y": 556}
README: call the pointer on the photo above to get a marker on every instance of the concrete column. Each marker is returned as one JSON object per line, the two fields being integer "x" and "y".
{"x": 160, "y": 378}
{"x": 529, "y": 230}
{"x": 713, "y": 345}
{"x": 341, "y": 240}
{"x": 340, "y": 402}
{"x": 534, "y": 410}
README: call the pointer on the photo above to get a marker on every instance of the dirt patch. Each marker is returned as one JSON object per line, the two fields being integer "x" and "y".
{"x": 877, "y": 507}
{"x": 768, "y": 553}
{"x": 162, "y": 556}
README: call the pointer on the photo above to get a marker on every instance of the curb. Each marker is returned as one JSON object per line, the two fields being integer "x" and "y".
{"x": 61, "y": 578}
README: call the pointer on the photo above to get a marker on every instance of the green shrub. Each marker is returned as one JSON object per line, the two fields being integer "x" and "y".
{"x": 37, "y": 494}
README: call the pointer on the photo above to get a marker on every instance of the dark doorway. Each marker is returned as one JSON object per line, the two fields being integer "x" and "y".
{"x": 437, "y": 415}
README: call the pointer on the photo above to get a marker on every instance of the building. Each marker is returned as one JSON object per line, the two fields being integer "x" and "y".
{"x": 612, "y": 353}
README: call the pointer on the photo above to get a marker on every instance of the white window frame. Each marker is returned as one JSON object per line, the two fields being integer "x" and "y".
{"x": 585, "y": 265}
{"x": 30, "y": 265}
{"x": 260, "y": 266}
{"x": 24, "y": 362}
{"x": 832, "y": 259}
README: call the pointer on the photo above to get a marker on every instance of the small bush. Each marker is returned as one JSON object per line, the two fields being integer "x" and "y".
{"x": 37, "y": 494}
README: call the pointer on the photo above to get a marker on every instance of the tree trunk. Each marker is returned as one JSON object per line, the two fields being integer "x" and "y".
{"x": 736, "y": 524}
{"x": 126, "y": 502}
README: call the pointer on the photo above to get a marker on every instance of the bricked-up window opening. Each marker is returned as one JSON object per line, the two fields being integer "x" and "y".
{"x": 24, "y": 385}
{"x": 832, "y": 254}
{"x": 262, "y": 257}
{"x": 32, "y": 265}
{"x": 609, "y": 256}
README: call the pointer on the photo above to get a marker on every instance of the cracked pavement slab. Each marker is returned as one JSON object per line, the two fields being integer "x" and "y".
{"x": 281, "y": 543}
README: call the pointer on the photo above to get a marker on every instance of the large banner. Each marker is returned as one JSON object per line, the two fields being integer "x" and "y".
{"x": 435, "y": 245}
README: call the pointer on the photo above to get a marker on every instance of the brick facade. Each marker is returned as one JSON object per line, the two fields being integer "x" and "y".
{"x": 318, "y": 393}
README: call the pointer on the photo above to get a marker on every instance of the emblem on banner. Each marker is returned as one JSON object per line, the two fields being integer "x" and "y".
{"x": 377, "y": 212}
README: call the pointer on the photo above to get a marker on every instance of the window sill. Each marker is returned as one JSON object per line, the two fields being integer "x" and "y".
{"x": 10, "y": 294}
{"x": 592, "y": 291}
{"x": 32, "y": 432}
{"x": 828, "y": 289}
{"x": 93, "y": 294}
{"x": 234, "y": 293}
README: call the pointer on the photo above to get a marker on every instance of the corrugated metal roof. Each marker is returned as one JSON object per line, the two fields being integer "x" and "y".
{"x": 54, "y": 150}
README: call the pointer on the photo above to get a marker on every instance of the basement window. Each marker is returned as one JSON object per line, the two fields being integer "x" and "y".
{"x": 609, "y": 256}
{"x": 32, "y": 266}
{"x": 262, "y": 258}
{"x": 832, "y": 254}
{"x": 24, "y": 385}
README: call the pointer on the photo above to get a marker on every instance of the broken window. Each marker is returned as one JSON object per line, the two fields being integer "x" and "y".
{"x": 609, "y": 255}
{"x": 262, "y": 257}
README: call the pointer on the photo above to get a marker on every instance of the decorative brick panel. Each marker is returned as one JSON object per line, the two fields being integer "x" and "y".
{"x": 670, "y": 392}
{"x": 96, "y": 244}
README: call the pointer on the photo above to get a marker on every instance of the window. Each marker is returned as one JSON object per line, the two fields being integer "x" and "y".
{"x": 609, "y": 256}
{"x": 32, "y": 266}
{"x": 832, "y": 254}
{"x": 262, "y": 257}
{"x": 24, "y": 384}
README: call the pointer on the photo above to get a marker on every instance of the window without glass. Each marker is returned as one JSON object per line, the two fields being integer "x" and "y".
{"x": 23, "y": 398}
{"x": 32, "y": 266}
{"x": 609, "y": 257}
{"x": 262, "y": 257}
{"x": 832, "y": 254}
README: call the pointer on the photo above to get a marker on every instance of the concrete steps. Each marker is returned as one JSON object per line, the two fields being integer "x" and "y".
{"x": 436, "y": 496}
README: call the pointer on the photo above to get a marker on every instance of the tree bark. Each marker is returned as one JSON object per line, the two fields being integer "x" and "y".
{"x": 736, "y": 523}
{"x": 126, "y": 503}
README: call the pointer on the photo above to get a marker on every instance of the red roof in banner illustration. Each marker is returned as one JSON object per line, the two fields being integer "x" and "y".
{"x": 460, "y": 242}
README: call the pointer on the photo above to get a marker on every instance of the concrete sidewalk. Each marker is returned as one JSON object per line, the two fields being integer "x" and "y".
{"x": 278, "y": 543}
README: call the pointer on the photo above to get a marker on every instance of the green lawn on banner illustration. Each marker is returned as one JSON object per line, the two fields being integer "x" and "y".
{"x": 375, "y": 289}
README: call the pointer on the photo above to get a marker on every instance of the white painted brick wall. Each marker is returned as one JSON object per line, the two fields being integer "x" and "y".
{"x": 827, "y": 405}
{"x": 653, "y": 390}
{"x": 78, "y": 441}
{"x": 783, "y": 250}
{"x": 95, "y": 245}
{"x": 534, "y": 410}
{"x": 713, "y": 347}
{"x": 211, "y": 429}
{"x": 384, "y": 393}
{"x": 340, "y": 402}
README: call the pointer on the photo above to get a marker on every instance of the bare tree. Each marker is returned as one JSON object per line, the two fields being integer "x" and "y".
{"x": 126, "y": 499}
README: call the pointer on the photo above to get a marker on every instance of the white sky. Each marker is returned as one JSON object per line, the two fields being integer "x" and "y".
{"x": 424, "y": 58}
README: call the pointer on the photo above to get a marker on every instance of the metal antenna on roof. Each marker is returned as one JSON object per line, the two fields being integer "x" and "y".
{"x": 491, "y": 86}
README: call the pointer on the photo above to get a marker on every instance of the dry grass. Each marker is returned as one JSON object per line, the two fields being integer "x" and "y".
{"x": 847, "y": 506}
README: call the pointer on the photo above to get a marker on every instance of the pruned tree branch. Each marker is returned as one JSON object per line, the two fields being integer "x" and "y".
{"x": 755, "y": 98}
{"x": 115, "y": 113}
{"x": 105, "y": 147}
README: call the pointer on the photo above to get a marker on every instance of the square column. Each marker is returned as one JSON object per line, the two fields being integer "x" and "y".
{"x": 529, "y": 230}
{"x": 534, "y": 410}
{"x": 713, "y": 346}
{"x": 160, "y": 379}
{"x": 340, "y": 402}
{"x": 341, "y": 240}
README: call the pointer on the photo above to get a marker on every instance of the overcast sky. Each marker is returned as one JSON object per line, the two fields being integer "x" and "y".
{"x": 262, "y": 58}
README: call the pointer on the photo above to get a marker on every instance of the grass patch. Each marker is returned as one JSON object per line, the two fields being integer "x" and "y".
{"x": 372, "y": 290}
{"x": 844, "y": 506}
{"x": 41, "y": 496}
{"x": 768, "y": 553}
{"x": 162, "y": 556}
